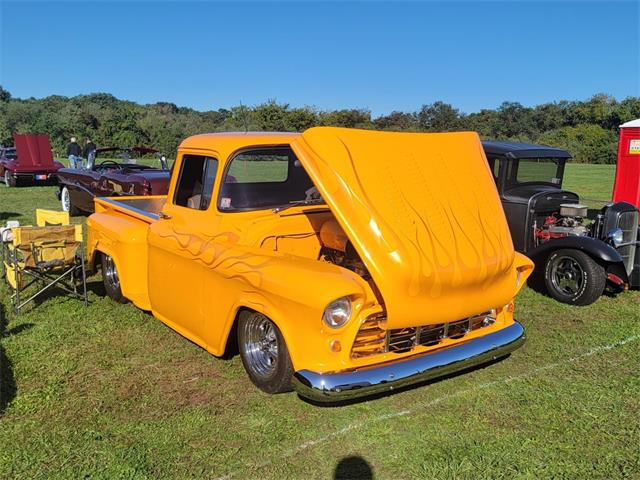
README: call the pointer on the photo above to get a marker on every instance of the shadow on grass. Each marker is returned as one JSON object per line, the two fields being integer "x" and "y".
{"x": 424, "y": 383}
{"x": 8, "y": 215}
{"x": 7, "y": 380}
{"x": 353, "y": 468}
{"x": 96, "y": 287}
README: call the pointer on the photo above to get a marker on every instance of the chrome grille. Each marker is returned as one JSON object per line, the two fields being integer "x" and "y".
{"x": 628, "y": 223}
{"x": 373, "y": 338}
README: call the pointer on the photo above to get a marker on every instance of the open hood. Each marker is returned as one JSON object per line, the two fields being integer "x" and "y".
{"x": 34, "y": 151}
{"x": 422, "y": 211}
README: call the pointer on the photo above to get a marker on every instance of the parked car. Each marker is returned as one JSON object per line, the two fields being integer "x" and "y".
{"x": 345, "y": 262}
{"x": 30, "y": 161}
{"x": 109, "y": 178}
{"x": 578, "y": 251}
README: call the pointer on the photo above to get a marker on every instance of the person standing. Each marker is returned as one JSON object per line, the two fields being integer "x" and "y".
{"x": 89, "y": 152}
{"x": 73, "y": 152}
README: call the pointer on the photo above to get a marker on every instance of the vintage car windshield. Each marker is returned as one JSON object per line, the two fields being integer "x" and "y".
{"x": 116, "y": 158}
{"x": 534, "y": 170}
{"x": 265, "y": 178}
{"x": 10, "y": 153}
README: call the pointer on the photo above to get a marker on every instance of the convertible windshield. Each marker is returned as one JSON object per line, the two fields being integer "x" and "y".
{"x": 535, "y": 170}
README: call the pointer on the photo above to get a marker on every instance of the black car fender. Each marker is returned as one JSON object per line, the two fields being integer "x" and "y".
{"x": 595, "y": 248}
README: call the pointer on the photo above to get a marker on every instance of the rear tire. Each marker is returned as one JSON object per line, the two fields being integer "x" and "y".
{"x": 9, "y": 180}
{"x": 111, "y": 279}
{"x": 264, "y": 353}
{"x": 65, "y": 201}
{"x": 573, "y": 277}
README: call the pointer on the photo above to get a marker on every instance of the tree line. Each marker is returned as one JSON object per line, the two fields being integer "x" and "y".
{"x": 588, "y": 129}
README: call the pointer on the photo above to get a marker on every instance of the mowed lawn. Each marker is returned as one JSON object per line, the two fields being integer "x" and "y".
{"x": 107, "y": 392}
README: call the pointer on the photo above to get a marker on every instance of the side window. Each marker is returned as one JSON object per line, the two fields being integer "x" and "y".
{"x": 494, "y": 163}
{"x": 195, "y": 183}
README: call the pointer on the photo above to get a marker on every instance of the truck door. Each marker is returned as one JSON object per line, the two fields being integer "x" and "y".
{"x": 176, "y": 274}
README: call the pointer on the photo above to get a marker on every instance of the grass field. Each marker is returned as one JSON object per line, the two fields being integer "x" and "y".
{"x": 109, "y": 392}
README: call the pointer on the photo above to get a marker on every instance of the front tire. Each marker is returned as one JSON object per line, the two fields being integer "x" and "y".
{"x": 264, "y": 353}
{"x": 111, "y": 279}
{"x": 65, "y": 202}
{"x": 573, "y": 277}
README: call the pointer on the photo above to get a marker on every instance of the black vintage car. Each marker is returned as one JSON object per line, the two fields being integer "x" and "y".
{"x": 578, "y": 252}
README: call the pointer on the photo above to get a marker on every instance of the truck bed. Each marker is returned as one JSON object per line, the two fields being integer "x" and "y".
{"x": 145, "y": 208}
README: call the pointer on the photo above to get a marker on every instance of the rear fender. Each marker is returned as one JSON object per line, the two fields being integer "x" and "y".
{"x": 125, "y": 240}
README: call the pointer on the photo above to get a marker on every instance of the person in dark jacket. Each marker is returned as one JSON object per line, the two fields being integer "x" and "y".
{"x": 73, "y": 152}
{"x": 89, "y": 152}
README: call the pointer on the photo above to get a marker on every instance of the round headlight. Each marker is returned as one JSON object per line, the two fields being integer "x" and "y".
{"x": 337, "y": 312}
{"x": 616, "y": 236}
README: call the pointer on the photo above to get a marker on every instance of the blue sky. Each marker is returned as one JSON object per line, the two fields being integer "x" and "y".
{"x": 382, "y": 56}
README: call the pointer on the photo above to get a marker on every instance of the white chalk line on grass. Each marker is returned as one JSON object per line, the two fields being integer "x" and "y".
{"x": 418, "y": 408}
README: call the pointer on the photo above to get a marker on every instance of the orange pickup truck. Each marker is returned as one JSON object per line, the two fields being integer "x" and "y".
{"x": 344, "y": 262}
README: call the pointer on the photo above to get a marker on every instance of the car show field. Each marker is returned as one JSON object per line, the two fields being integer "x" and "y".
{"x": 106, "y": 391}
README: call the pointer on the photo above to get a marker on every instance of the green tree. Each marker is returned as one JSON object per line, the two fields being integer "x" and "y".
{"x": 438, "y": 117}
{"x": 587, "y": 143}
{"x": 5, "y": 96}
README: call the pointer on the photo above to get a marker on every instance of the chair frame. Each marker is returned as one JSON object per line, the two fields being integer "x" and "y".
{"x": 47, "y": 279}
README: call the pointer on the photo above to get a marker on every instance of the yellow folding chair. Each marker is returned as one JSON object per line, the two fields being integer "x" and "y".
{"x": 48, "y": 257}
{"x": 51, "y": 218}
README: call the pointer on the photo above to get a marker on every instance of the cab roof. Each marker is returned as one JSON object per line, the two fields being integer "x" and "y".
{"x": 522, "y": 150}
{"x": 237, "y": 139}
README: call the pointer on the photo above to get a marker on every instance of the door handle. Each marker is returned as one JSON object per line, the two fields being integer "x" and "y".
{"x": 164, "y": 216}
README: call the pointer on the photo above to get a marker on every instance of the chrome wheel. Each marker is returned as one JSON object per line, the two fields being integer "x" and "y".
{"x": 261, "y": 346}
{"x": 111, "y": 273}
{"x": 7, "y": 178}
{"x": 567, "y": 276}
{"x": 65, "y": 200}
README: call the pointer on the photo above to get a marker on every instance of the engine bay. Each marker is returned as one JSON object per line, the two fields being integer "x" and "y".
{"x": 569, "y": 220}
{"x": 337, "y": 249}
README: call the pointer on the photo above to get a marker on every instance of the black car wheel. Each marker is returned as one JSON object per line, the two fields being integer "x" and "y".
{"x": 264, "y": 353}
{"x": 111, "y": 279}
{"x": 573, "y": 277}
{"x": 65, "y": 201}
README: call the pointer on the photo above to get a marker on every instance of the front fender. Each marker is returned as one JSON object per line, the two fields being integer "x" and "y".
{"x": 293, "y": 293}
{"x": 591, "y": 246}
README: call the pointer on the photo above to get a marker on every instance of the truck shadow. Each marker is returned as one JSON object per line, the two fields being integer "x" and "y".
{"x": 395, "y": 391}
{"x": 7, "y": 380}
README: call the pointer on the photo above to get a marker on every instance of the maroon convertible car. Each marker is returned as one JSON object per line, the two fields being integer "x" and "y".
{"x": 110, "y": 178}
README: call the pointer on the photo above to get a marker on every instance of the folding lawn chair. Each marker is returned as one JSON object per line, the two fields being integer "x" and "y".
{"x": 49, "y": 218}
{"x": 47, "y": 257}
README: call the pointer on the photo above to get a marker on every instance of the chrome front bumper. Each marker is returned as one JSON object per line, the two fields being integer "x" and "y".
{"x": 333, "y": 387}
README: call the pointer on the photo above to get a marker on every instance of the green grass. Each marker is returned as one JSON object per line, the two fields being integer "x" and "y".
{"x": 594, "y": 183}
{"x": 107, "y": 392}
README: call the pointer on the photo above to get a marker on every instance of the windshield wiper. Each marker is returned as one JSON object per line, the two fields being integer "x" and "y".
{"x": 296, "y": 203}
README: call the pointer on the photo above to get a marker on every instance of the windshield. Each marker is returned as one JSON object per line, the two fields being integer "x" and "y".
{"x": 10, "y": 153}
{"x": 266, "y": 178}
{"x": 535, "y": 170}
